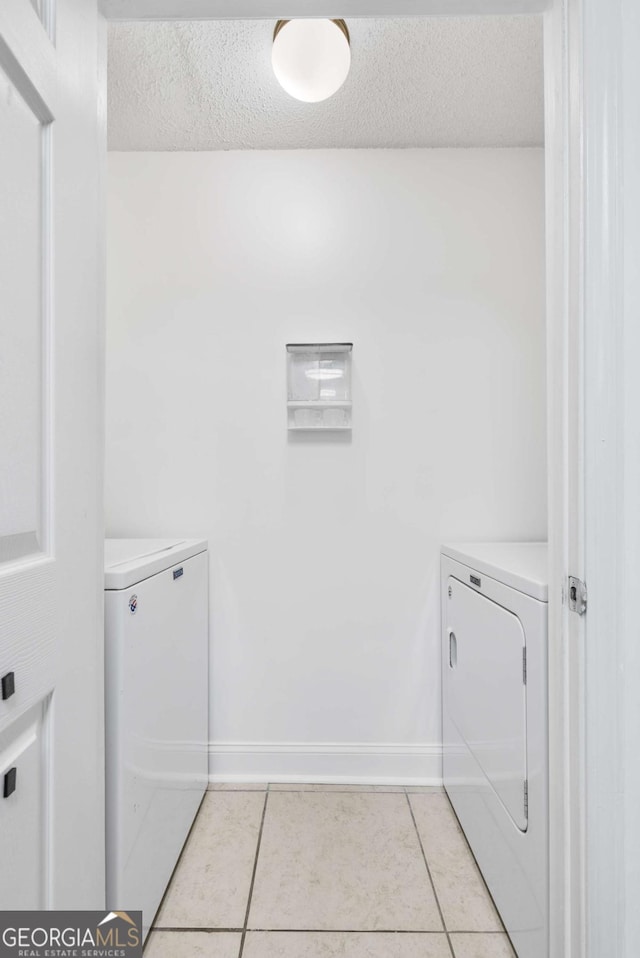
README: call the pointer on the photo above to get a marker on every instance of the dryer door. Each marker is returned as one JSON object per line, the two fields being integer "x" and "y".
{"x": 487, "y": 691}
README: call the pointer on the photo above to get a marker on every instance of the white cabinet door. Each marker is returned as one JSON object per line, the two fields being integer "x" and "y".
{"x": 51, "y": 710}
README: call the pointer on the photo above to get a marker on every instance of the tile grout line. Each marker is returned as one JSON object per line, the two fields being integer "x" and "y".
{"x": 482, "y": 878}
{"x": 153, "y": 926}
{"x": 327, "y": 791}
{"x": 319, "y": 931}
{"x": 253, "y": 876}
{"x": 426, "y": 865}
{"x": 357, "y": 931}
{"x": 233, "y": 791}
{"x": 173, "y": 929}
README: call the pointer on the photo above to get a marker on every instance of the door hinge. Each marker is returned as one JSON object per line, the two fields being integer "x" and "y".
{"x": 577, "y": 595}
{"x": 526, "y": 798}
{"x": 524, "y": 666}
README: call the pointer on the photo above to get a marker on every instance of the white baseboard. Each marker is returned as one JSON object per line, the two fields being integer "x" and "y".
{"x": 327, "y": 762}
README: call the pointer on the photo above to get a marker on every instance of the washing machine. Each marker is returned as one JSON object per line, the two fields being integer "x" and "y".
{"x": 156, "y": 701}
{"x": 495, "y": 726}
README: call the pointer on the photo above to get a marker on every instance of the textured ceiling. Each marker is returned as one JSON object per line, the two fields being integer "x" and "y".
{"x": 208, "y": 85}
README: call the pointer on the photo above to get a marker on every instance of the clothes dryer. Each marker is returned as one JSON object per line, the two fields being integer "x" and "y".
{"x": 495, "y": 727}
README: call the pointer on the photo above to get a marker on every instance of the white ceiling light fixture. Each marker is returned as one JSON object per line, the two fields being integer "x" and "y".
{"x": 311, "y": 58}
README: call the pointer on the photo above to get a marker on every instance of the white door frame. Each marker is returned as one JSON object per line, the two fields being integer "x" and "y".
{"x": 611, "y": 295}
{"x": 592, "y": 134}
{"x": 593, "y": 248}
{"x": 268, "y": 10}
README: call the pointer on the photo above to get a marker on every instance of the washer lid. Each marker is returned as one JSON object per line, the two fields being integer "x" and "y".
{"x": 520, "y": 565}
{"x": 127, "y": 561}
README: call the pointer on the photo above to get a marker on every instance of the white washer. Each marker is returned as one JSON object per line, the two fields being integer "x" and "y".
{"x": 156, "y": 665}
{"x": 495, "y": 726}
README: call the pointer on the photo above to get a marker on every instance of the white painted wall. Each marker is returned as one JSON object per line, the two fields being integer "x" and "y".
{"x": 325, "y": 549}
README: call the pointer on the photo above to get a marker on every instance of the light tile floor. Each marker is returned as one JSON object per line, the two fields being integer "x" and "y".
{"x": 312, "y": 871}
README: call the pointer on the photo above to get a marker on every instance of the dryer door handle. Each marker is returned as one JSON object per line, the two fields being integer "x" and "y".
{"x": 453, "y": 650}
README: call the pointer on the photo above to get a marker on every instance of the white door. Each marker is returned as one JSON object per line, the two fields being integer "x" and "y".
{"x": 51, "y": 658}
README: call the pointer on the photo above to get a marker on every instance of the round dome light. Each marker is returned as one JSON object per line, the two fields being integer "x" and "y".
{"x": 311, "y": 58}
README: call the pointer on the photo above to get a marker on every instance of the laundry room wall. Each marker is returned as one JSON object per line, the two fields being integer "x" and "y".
{"x": 325, "y": 547}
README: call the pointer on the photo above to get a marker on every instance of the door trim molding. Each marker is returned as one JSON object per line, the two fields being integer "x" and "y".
{"x": 611, "y": 429}
{"x": 564, "y": 212}
{"x": 290, "y": 9}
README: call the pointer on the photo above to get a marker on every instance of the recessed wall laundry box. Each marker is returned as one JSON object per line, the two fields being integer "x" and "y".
{"x": 319, "y": 385}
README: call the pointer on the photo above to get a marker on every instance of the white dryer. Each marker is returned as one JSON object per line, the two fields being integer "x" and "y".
{"x": 156, "y": 674}
{"x": 495, "y": 727}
